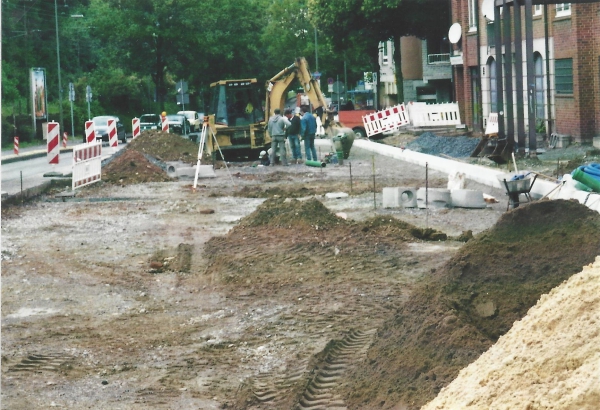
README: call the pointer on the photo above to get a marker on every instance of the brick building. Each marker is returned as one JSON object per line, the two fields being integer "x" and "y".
{"x": 566, "y": 61}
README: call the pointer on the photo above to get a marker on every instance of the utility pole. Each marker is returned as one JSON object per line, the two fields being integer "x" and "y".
{"x": 316, "y": 53}
{"x": 58, "y": 64}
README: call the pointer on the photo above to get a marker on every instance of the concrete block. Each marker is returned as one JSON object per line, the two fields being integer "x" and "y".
{"x": 596, "y": 142}
{"x": 467, "y": 198}
{"x": 435, "y": 198}
{"x": 408, "y": 197}
{"x": 563, "y": 141}
{"x": 391, "y": 197}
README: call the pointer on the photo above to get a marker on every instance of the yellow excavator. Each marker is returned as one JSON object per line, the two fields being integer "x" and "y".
{"x": 238, "y": 119}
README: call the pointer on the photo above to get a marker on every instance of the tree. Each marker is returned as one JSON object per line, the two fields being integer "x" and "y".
{"x": 380, "y": 20}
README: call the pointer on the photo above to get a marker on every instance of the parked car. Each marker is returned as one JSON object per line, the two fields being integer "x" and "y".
{"x": 150, "y": 122}
{"x": 178, "y": 124}
{"x": 101, "y": 128}
{"x": 194, "y": 118}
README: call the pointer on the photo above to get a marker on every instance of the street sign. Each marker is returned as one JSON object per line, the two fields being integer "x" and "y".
{"x": 338, "y": 87}
{"x": 71, "y": 92}
{"x": 185, "y": 98}
{"x": 316, "y": 75}
{"x": 181, "y": 87}
{"x": 330, "y": 80}
{"x": 88, "y": 93}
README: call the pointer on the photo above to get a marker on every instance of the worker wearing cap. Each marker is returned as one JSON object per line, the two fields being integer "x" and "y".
{"x": 264, "y": 158}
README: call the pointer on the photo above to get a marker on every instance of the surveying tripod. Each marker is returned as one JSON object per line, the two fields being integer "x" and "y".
{"x": 205, "y": 129}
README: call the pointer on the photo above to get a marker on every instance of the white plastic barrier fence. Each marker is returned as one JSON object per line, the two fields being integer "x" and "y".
{"x": 432, "y": 115}
{"x": 386, "y": 120}
{"x": 53, "y": 143}
{"x": 113, "y": 140}
{"x": 87, "y": 164}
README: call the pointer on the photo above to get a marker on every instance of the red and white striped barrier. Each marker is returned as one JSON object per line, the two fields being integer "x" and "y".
{"x": 165, "y": 123}
{"x": 112, "y": 133}
{"x": 87, "y": 164}
{"x": 65, "y": 139}
{"x": 53, "y": 142}
{"x": 90, "y": 134}
{"x": 135, "y": 127}
{"x": 16, "y": 142}
{"x": 386, "y": 120}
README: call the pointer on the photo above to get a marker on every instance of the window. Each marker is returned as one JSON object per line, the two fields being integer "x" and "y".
{"x": 539, "y": 87}
{"x": 563, "y": 76}
{"x": 563, "y": 9}
{"x": 385, "y": 53}
{"x": 493, "y": 88}
{"x": 491, "y": 32}
{"x": 472, "y": 15}
{"x": 537, "y": 10}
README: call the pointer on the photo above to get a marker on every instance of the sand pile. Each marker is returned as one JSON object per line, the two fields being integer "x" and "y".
{"x": 455, "y": 315}
{"x": 548, "y": 360}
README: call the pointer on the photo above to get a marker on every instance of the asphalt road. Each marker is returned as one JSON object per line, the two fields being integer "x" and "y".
{"x": 27, "y": 170}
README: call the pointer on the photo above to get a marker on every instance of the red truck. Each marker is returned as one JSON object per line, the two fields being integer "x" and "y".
{"x": 353, "y": 119}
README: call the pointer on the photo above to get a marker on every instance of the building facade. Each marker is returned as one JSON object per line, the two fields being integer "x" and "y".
{"x": 565, "y": 98}
{"x": 426, "y": 71}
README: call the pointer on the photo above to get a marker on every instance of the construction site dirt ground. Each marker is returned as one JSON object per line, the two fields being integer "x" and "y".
{"x": 256, "y": 290}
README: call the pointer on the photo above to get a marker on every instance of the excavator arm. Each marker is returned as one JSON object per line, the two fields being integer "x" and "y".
{"x": 279, "y": 85}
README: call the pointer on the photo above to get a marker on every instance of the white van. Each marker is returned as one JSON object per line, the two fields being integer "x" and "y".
{"x": 194, "y": 119}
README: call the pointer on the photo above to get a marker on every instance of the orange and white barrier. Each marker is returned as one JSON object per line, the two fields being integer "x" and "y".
{"x": 112, "y": 133}
{"x": 16, "y": 143}
{"x": 386, "y": 120}
{"x": 87, "y": 164}
{"x": 53, "y": 142}
{"x": 90, "y": 134}
{"x": 65, "y": 139}
{"x": 165, "y": 123}
{"x": 135, "y": 127}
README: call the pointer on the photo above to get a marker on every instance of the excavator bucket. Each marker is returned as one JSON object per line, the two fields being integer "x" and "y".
{"x": 493, "y": 148}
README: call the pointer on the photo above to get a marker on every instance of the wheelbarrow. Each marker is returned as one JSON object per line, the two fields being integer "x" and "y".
{"x": 517, "y": 183}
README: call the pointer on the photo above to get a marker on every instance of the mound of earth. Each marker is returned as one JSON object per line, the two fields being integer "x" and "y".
{"x": 132, "y": 167}
{"x": 164, "y": 146}
{"x": 549, "y": 359}
{"x": 464, "y": 308}
{"x": 316, "y": 242}
{"x": 292, "y": 213}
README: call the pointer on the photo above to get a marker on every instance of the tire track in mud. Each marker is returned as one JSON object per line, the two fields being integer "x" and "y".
{"x": 277, "y": 390}
{"x": 37, "y": 363}
{"x": 340, "y": 355}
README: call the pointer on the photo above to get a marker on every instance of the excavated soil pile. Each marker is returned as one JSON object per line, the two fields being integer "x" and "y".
{"x": 475, "y": 298}
{"x": 292, "y": 247}
{"x": 143, "y": 158}
{"x": 132, "y": 167}
{"x": 548, "y": 360}
{"x": 315, "y": 241}
{"x": 165, "y": 147}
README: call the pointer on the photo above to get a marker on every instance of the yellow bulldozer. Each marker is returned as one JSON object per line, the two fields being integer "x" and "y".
{"x": 238, "y": 118}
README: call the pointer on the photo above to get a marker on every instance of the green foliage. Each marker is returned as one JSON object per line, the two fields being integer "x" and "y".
{"x": 133, "y": 52}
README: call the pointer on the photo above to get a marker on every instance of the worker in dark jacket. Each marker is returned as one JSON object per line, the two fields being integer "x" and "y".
{"x": 308, "y": 130}
{"x": 293, "y": 135}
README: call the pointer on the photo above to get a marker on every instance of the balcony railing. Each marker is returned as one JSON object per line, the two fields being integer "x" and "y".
{"x": 438, "y": 58}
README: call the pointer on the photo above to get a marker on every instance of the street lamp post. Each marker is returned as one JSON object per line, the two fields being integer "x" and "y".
{"x": 58, "y": 64}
